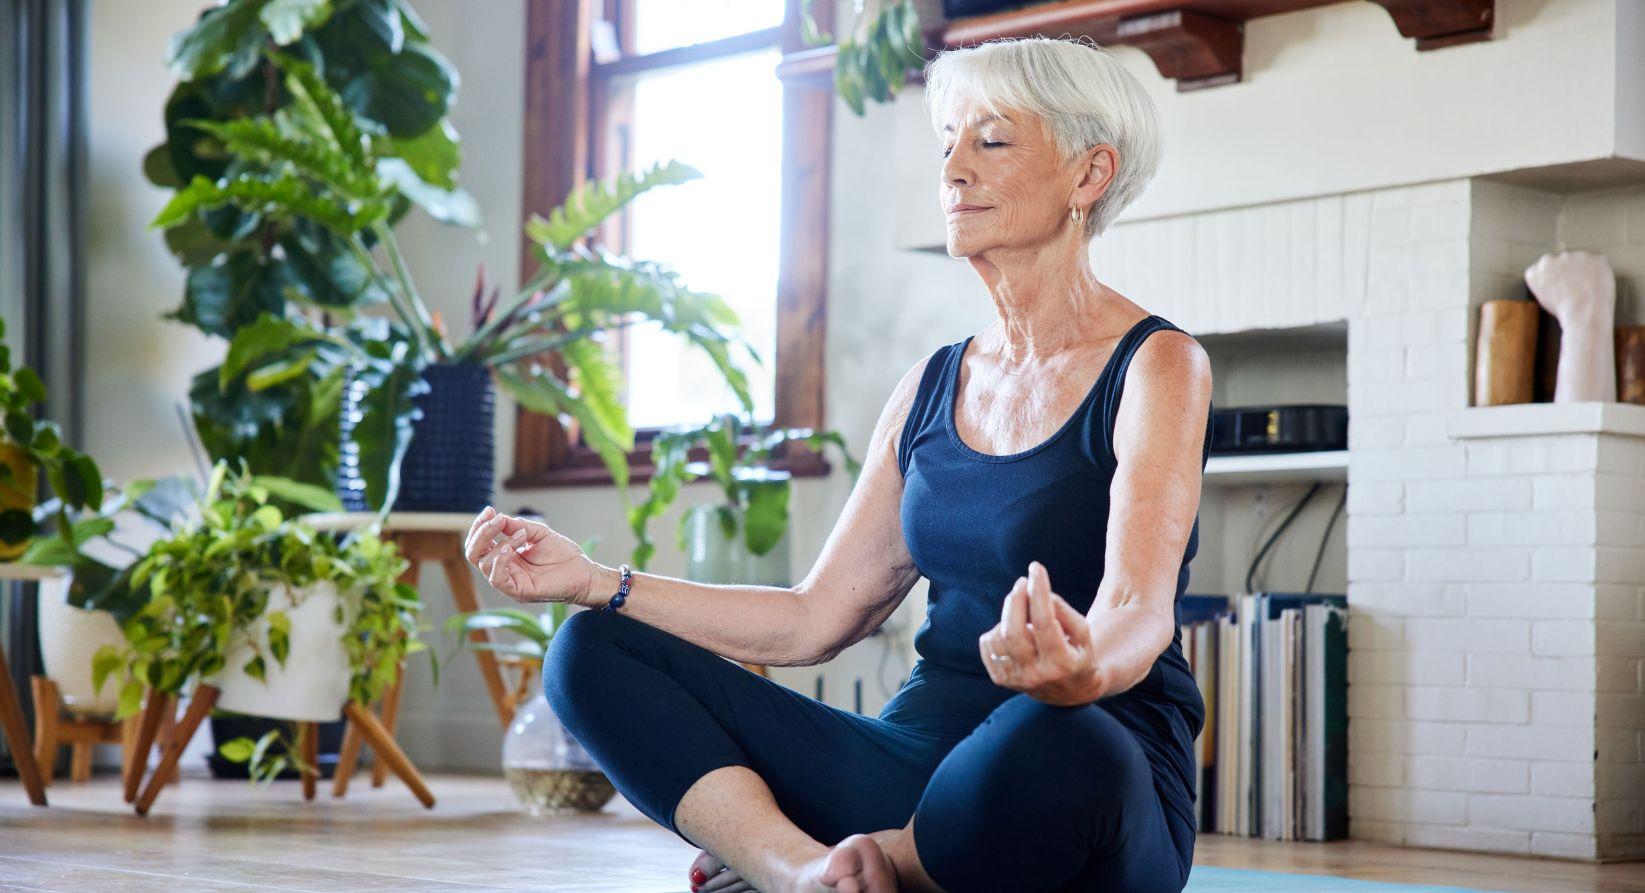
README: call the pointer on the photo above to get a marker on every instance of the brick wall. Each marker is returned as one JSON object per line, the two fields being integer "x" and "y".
{"x": 1494, "y": 569}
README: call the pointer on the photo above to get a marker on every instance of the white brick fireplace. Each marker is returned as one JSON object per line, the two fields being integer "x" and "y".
{"x": 1494, "y": 555}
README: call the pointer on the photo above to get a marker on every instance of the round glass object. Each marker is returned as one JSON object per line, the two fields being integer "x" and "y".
{"x": 548, "y": 769}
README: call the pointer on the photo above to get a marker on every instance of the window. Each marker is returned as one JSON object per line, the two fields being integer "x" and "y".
{"x": 616, "y": 85}
{"x": 721, "y": 114}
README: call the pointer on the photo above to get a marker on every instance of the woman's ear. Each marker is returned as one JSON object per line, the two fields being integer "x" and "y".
{"x": 1097, "y": 166}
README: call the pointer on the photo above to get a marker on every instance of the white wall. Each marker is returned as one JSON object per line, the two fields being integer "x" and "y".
{"x": 1334, "y": 100}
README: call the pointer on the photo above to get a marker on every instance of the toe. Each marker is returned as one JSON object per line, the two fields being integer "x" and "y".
{"x": 705, "y": 866}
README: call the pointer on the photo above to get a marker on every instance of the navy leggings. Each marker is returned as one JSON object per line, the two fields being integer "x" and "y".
{"x": 1007, "y": 792}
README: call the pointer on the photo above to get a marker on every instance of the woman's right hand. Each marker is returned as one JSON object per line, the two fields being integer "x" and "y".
{"x": 532, "y": 562}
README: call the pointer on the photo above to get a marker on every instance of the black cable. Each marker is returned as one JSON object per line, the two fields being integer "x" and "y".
{"x": 1307, "y": 497}
{"x": 1325, "y": 537}
{"x": 1262, "y": 531}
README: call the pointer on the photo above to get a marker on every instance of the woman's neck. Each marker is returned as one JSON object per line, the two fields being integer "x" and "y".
{"x": 1048, "y": 301}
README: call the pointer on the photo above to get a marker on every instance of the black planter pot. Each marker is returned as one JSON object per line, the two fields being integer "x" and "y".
{"x": 450, "y": 464}
{"x": 227, "y": 726}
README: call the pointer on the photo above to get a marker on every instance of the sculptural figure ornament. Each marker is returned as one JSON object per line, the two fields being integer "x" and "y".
{"x": 1579, "y": 289}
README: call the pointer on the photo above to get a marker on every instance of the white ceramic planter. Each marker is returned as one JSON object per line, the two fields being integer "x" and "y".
{"x": 69, "y": 637}
{"x": 312, "y": 685}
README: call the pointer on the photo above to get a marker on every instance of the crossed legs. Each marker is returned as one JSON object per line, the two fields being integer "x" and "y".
{"x": 781, "y": 787}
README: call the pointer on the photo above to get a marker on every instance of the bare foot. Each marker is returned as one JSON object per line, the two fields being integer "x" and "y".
{"x": 854, "y": 865}
{"x": 718, "y": 876}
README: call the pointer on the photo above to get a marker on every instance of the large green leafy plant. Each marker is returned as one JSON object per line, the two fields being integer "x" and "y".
{"x": 311, "y": 166}
{"x": 372, "y": 83}
{"x": 754, "y": 495}
{"x": 208, "y": 583}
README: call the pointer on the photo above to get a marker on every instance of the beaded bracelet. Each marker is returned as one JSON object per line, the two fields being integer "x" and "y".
{"x": 622, "y": 592}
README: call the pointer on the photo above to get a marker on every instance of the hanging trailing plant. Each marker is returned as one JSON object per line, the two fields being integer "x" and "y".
{"x": 874, "y": 61}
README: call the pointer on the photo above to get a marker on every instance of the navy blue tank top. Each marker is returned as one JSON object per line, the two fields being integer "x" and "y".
{"x": 973, "y": 521}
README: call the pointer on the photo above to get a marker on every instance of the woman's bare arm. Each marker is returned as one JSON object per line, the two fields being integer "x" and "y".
{"x": 1159, "y": 432}
{"x": 865, "y": 569}
{"x": 863, "y": 573}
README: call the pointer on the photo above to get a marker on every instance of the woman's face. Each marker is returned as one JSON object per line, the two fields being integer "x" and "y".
{"x": 1007, "y": 167}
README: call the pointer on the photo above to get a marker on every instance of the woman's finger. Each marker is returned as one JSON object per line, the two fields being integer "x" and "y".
{"x": 987, "y": 646}
{"x": 1076, "y": 624}
{"x": 1017, "y": 639}
{"x": 483, "y": 536}
{"x": 1047, "y": 632}
{"x": 484, "y": 516}
{"x": 499, "y": 569}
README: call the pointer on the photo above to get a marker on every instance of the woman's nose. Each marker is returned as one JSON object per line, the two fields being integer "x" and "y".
{"x": 956, "y": 168}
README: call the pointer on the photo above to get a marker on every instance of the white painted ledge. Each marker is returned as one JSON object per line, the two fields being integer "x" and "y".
{"x": 1533, "y": 419}
{"x": 1277, "y": 468}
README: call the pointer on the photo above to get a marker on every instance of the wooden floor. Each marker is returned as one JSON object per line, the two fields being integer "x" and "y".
{"x": 224, "y": 835}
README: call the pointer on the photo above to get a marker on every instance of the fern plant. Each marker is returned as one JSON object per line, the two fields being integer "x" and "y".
{"x": 314, "y": 165}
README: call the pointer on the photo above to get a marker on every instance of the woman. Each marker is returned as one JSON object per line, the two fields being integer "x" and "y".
{"x": 1044, "y": 738}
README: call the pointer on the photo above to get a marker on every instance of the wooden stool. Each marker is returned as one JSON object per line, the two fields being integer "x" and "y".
{"x": 205, "y": 696}
{"x": 421, "y": 536}
{"x": 55, "y": 727}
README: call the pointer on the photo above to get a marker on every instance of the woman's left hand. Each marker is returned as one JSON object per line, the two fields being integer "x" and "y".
{"x": 1047, "y": 643}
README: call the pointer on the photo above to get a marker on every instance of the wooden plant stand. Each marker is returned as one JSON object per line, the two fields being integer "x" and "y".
{"x": 308, "y": 743}
{"x": 55, "y": 727}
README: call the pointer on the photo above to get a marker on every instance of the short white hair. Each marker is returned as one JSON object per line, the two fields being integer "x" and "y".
{"x": 1083, "y": 93}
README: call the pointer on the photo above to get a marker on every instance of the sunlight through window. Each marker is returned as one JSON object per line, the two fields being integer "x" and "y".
{"x": 723, "y": 117}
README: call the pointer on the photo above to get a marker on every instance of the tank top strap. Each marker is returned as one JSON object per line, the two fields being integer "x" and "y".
{"x": 924, "y": 409}
{"x": 1108, "y": 402}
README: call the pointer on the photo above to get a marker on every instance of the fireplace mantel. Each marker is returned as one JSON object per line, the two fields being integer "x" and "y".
{"x": 1197, "y": 43}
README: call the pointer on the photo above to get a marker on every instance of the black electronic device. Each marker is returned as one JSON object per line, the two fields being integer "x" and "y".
{"x": 1279, "y": 428}
{"x": 957, "y": 8}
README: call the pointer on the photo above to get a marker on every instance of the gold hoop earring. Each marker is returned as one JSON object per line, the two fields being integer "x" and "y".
{"x": 1076, "y": 214}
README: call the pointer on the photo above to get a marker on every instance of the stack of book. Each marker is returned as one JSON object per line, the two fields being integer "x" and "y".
{"x": 1273, "y": 754}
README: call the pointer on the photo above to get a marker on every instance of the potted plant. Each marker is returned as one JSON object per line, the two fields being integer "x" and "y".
{"x": 887, "y": 41}
{"x": 29, "y": 446}
{"x": 383, "y": 78}
{"x": 84, "y": 612}
{"x": 314, "y": 172}
{"x": 756, "y": 499}
{"x": 284, "y": 621}
{"x": 547, "y": 768}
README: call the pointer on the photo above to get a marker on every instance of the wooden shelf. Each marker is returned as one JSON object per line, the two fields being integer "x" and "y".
{"x": 1276, "y": 468}
{"x": 1197, "y": 43}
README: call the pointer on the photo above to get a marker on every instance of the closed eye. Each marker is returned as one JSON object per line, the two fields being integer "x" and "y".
{"x": 987, "y": 144}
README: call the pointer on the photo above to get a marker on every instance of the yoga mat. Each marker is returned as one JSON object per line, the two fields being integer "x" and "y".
{"x": 1209, "y": 879}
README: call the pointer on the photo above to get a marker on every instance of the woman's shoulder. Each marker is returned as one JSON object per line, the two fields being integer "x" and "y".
{"x": 1171, "y": 353}
{"x": 910, "y": 401}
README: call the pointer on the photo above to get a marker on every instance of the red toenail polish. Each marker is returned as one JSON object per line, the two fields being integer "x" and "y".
{"x": 697, "y": 877}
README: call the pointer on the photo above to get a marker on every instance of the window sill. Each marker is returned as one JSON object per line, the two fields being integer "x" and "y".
{"x": 582, "y": 468}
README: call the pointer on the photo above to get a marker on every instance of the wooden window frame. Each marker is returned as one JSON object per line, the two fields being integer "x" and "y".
{"x": 561, "y": 147}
